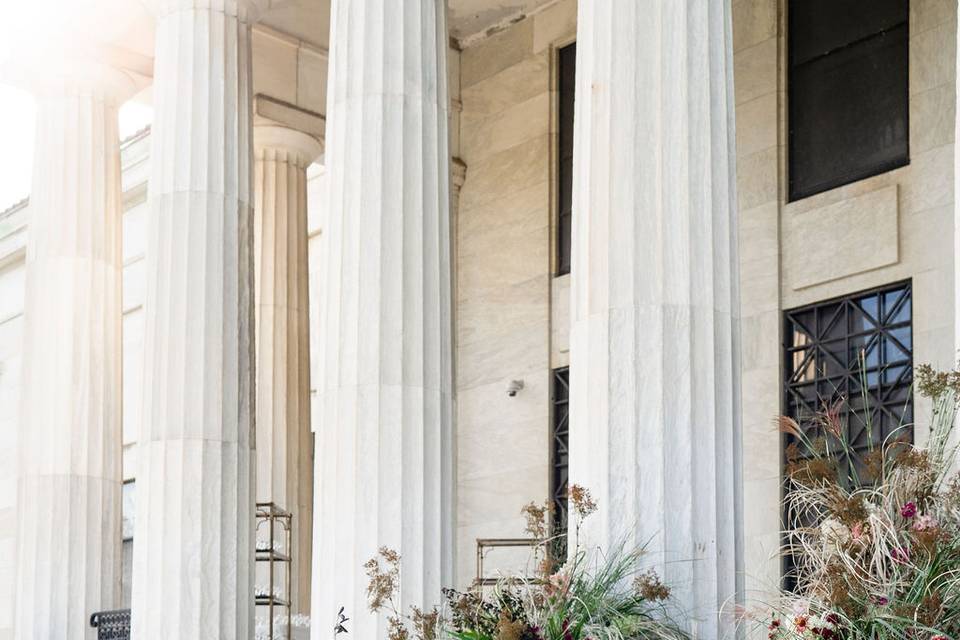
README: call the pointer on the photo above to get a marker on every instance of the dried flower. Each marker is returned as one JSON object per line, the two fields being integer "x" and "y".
{"x": 383, "y": 581}
{"x": 536, "y": 516}
{"x": 509, "y": 629}
{"x": 813, "y": 472}
{"x": 581, "y": 500}
{"x": 789, "y": 426}
{"x": 649, "y": 587}
{"x": 829, "y": 419}
{"x": 925, "y": 523}
{"x": 834, "y": 532}
{"x": 848, "y": 509}
{"x": 933, "y": 383}
{"x": 396, "y": 629}
{"x": 425, "y": 624}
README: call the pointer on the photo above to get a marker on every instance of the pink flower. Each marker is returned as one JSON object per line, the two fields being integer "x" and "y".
{"x": 925, "y": 522}
{"x": 908, "y": 510}
{"x": 857, "y": 532}
{"x": 900, "y": 555}
{"x": 939, "y": 638}
{"x": 557, "y": 583}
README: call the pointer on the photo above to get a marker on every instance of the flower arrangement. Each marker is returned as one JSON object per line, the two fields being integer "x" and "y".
{"x": 590, "y": 596}
{"x": 876, "y": 547}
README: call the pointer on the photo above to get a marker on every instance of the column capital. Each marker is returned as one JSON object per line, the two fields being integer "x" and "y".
{"x": 66, "y": 71}
{"x": 305, "y": 147}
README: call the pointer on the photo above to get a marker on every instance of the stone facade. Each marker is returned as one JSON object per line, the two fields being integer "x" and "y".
{"x": 511, "y": 317}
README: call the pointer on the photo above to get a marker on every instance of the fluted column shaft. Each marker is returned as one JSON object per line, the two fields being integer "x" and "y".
{"x": 68, "y": 526}
{"x": 654, "y": 359}
{"x": 384, "y": 442}
{"x": 193, "y": 555}
{"x": 284, "y": 439}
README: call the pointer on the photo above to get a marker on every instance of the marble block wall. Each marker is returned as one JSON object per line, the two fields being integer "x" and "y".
{"x": 884, "y": 229}
{"x": 504, "y": 276}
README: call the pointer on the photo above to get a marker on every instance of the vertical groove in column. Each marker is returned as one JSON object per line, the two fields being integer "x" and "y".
{"x": 283, "y": 340}
{"x": 384, "y": 442}
{"x": 68, "y": 530}
{"x": 655, "y": 335}
{"x": 193, "y": 556}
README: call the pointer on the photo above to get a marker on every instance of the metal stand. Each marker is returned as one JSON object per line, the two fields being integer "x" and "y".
{"x": 276, "y": 553}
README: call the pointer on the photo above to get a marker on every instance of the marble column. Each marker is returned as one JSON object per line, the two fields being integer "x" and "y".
{"x": 193, "y": 549}
{"x": 384, "y": 439}
{"x": 654, "y": 364}
{"x": 68, "y": 520}
{"x": 284, "y": 439}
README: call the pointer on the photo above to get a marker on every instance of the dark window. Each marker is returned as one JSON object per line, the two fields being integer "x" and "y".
{"x": 848, "y": 91}
{"x": 128, "y": 518}
{"x": 855, "y": 353}
{"x": 567, "y": 89}
{"x": 559, "y": 450}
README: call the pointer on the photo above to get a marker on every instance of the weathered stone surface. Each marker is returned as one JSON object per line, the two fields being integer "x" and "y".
{"x": 68, "y": 535}
{"x": 384, "y": 443}
{"x": 654, "y": 364}
{"x": 284, "y": 441}
{"x": 193, "y": 560}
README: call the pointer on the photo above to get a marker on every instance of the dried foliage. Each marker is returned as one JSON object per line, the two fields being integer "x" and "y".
{"x": 877, "y": 555}
{"x": 588, "y": 597}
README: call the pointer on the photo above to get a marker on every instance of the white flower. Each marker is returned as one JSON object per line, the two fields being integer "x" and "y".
{"x": 801, "y": 607}
{"x": 834, "y": 532}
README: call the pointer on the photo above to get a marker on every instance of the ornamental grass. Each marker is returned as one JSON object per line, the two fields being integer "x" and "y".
{"x": 875, "y": 546}
{"x": 587, "y": 596}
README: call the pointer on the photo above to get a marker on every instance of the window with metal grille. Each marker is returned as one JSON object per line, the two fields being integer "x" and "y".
{"x": 856, "y": 354}
{"x": 559, "y": 449}
{"x": 128, "y": 518}
{"x": 567, "y": 88}
{"x": 848, "y": 91}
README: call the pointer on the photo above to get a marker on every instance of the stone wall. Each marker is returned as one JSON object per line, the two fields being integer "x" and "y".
{"x": 877, "y": 231}
{"x": 504, "y": 277}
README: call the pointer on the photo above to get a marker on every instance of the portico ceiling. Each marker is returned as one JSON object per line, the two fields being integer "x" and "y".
{"x": 471, "y": 19}
{"x": 309, "y": 20}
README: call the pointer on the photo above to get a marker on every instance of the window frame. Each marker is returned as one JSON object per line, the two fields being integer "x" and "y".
{"x": 796, "y": 192}
{"x": 563, "y": 220}
{"x": 881, "y": 330}
{"x": 559, "y": 443}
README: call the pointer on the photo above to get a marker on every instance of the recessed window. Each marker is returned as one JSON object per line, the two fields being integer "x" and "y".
{"x": 559, "y": 450}
{"x": 567, "y": 89}
{"x": 858, "y": 349}
{"x": 128, "y": 518}
{"x": 848, "y": 91}
{"x": 854, "y": 354}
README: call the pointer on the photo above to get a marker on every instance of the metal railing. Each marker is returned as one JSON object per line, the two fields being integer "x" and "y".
{"x": 112, "y": 625}
{"x": 486, "y": 544}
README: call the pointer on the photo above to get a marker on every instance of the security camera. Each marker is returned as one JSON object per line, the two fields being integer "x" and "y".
{"x": 514, "y": 387}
